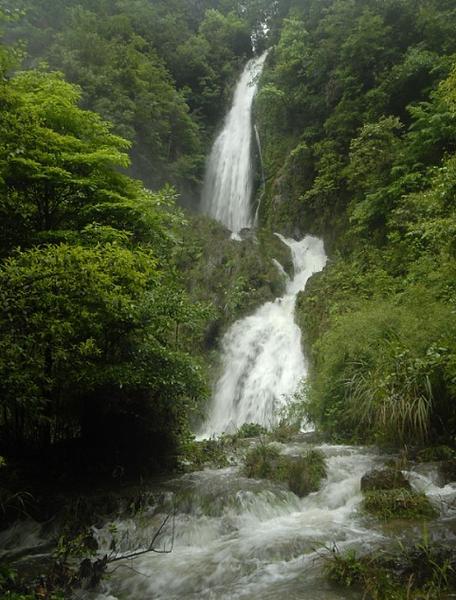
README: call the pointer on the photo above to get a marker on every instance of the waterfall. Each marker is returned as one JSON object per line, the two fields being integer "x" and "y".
{"x": 262, "y": 355}
{"x": 228, "y": 182}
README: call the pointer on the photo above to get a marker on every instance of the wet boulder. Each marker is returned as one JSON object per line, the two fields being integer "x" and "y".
{"x": 384, "y": 479}
{"x": 302, "y": 474}
{"x": 448, "y": 470}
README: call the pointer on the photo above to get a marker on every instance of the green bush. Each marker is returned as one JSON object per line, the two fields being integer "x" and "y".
{"x": 249, "y": 430}
{"x": 435, "y": 453}
{"x": 423, "y": 571}
{"x": 198, "y": 454}
{"x": 398, "y": 504}
{"x": 261, "y": 462}
{"x": 302, "y": 475}
{"x": 383, "y": 372}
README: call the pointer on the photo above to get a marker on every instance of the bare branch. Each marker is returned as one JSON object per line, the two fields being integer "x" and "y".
{"x": 150, "y": 548}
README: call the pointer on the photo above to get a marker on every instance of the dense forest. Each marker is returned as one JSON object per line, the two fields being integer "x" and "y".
{"x": 115, "y": 292}
{"x": 158, "y": 71}
{"x": 92, "y": 299}
{"x": 358, "y": 120}
{"x": 101, "y": 277}
{"x": 356, "y": 114}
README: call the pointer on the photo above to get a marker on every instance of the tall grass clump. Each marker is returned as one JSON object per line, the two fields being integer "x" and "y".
{"x": 385, "y": 372}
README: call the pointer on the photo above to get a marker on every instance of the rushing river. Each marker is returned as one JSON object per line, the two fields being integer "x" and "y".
{"x": 241, "y": 538}
{"x": 233, "y": 537}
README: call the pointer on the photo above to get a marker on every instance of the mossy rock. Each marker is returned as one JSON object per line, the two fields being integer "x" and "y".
{"x": 302, "y": 475}
{"x": 235, "y": 277}
{"x": 305, "y": 474}
{"x": 398, "y": 504}
{"x": 261, "y": 462}
{"x": 448, "y": 470}
{"x": 384, "y": 479}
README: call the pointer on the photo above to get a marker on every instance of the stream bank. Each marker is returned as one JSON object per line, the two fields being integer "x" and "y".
{"x": 234, "y": 537}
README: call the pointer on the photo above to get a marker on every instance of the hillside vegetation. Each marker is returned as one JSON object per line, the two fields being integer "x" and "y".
{"x": 357, "y": 115}
{"x": 159, "y": 71}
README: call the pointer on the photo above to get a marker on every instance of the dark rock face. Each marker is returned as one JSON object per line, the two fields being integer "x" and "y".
{"x": 448, "y": 470}
{"x": 384, "y": 479}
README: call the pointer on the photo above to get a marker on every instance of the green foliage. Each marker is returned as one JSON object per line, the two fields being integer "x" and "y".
{"x": 89, "y": 296}
{"x": 302, "y": 475}
{"x": 79, "y": 320}
{"x": 58, "y": 167}
{"x": 250, "y": 430}
{"x": 390, "y": 478}
{"x": 261, "y": 462}
{"x": 356, "y": 114}
{"x": 235, "y": 277}
{"x": 435, "y": 453}
{"x": 305, "y": 474}
{"x": 398, "y": 504}
{"x": 159, "y": 72}
{"x": 196, "y": 455}
{"x": 384, "y": 371}
{"x": 290, "y": 419}
{"x": 424, "y": 571}
{"x": 345, "y": 569}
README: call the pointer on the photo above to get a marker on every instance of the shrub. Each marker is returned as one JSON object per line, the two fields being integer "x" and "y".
{"x": 198, "y": 454}
{"x": 382, "y": 372}
{"x": 398, "y": 504}
{"x": 249, "y": 430}
{"x": 303, "y": 475}
{"x": 435, "y": 453}
{"x": 423, "y": 571}
{"x": 384, "y": 479}
{"x": 346, "y": 569}
{"x": 261, "y": 462}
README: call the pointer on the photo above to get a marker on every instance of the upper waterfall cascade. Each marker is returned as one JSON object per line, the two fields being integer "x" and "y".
{"x": 228, "y": 182}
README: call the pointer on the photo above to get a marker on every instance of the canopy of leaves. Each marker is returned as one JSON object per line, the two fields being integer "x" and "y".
{"x": 90, "y": 304}
{"x": 159, "y": 71}
{"x": 357, "y": 117}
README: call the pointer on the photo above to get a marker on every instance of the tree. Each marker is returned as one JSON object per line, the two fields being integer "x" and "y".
{"x": 90, "y": 331}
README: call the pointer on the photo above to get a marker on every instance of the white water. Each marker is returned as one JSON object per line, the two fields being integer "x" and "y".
{"x": 240, "y": 538}
{"x": 249, "y": 539}
{"x": 227, "y": 186}
{"x": 262, "y": 355}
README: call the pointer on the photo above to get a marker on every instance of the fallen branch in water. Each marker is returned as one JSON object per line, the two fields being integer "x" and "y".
{"x": 150, "y": 548}
{"x": 92, "y": 572}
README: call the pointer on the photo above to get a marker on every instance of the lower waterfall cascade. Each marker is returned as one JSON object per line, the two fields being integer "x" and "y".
{"x": 262, "y": 358}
